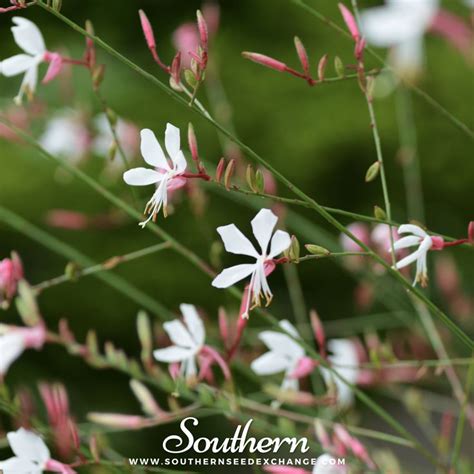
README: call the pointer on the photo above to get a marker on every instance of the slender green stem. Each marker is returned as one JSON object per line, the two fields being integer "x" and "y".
{"x": 61, "y": 248}
{"x": 109, "y": 264}
{"x": 462, "y": 417}
{"x": 409, "y": 155}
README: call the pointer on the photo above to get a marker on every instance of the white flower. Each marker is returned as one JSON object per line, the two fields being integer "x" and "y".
{"x": 235, "y": 242}
{"x": 31, "y": 453}
{"x": 188, "y": 340}
{"x": 327, "y": 464}
{"x": 12, "y": 346}
{"x": 29, "y": 38}
{"x": 344, "y": 353}
{"x": 400, "y": 24}
{"x": 283, "y": 356}
{"x": 66, "y": 135}
{"x": 165, "y": 176}
{"x": 425, "y": 243}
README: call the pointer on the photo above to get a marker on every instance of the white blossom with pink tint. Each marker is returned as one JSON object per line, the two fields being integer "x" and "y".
{"x": 345, "y": 362}
{"x": 167, "y": 174}
{"x": 66, "y": 135}
{"x": 425, "y": 243}
{"x": 29, "y": 38}
{"x": 32, "y": 456}
{"x": 188, "y": 341}
{"x": 285, "y": 355}
{"x": 126, "y": 133}
{"x": 236, "y": 242}
{"x": 400, "y": 24}
{"x": 14, "y": 341}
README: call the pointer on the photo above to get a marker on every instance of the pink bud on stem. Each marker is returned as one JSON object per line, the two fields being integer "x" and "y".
{"x": 350, "y": 22}
{"x": 322, "y": 67}
{"x": 303, "y": 56}
{"x": 150, "y": 39}
{"x": 266, "y": 61}
{"x": 318, "y": 332}
{"x": 203, "y": 33}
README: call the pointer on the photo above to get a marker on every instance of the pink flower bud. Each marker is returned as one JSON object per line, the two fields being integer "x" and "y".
{"x": 350, "y": 21}
{"x": 220, "y": 169}
{"x": 265, "y": 61}
{"x": 117, "y": 420}
{"x": 192, "y": 141}
{"x": 176, "y": 68}
{"x": 318, "y": 330}
{"x": 304, "y": 367}
{"x": 11, "y": 272}
{"x": 322, "y": 435}
{"x": 223, "y": 326}
{"x": 202, "y": 27}
{"x": 470, "y": 232}
{"x": 302, "y": 55}
{"x": 322, "y": 67}
{"x": 65, "y": 219}
{"x": 147, "y": 30}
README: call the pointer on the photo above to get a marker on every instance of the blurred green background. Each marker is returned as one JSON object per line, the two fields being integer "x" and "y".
{"x": 318, "y": 137}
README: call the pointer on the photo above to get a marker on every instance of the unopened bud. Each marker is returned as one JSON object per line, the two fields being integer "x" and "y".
{"x": 145, "y": 336}
{"x": 229, "y": 173}
{"x": 146, "y": 399}
{"x": 250, "y": 177}
{"x": 265, "y": 61}
{"x": 322, "y": 67}
{"x": 470, "y": 232}
{"x": 176, "y": 87}
{"x": 259, "y": 181}
{"x": 117, "y": 420}
{"x": 220, "y": 169}
{"x": 112, "y": 151}
{"x": 372, "y": 172}
{"x": 176, "y": 68}
{"x": 202, "y": 27}
{"x": 318, "y": 331}
{"x": 98, "y": 76}
{"x": 350, "y": 21}
{"x": 56, "y": 5}
{"x": 147, "y": 30}
{"x": 91, "y": 343}
{"x": 72, "y": 271}
{"x": 190, "y": 78}
{"x": 379, "y": 213}
{"x": 192, "y": 142}
{"x": 294, "y": 250}
{"x": 314, "y": 249}
{"x": 339, "y": 67}
{"x": 302, "y": 55}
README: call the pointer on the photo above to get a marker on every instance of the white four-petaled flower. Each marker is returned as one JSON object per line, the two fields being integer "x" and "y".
{"x": 235, "y": 242}
{"x": 400, "y": 24}
{"x": 284, "y": 355}
{"x": 32, "y": 456}
{"x": 345, "y": 362}
{"x": 188, "y": 340}
{"x": 29, "y": 38}
{"x": 425, "y": 242}
{"x": 167, "y": 174}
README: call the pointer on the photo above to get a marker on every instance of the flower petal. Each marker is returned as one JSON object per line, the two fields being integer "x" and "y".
{"x": 270, "y": 363}
{"x": 194, "y": 323}
{"x": 19, "y": 466}
{"x": 27, "y": 36}
{"x": 412, "y": 229}
{"x": 280, "y": 242}
{"x": 151, "y": 150}
{"x": 408, "y": 259}
{"x": 172, "y": 140}
{"x": 230, "y": 276}
{"x": 16, "y": 65}
{"x": 142, "y": 176}
{"x": 262, "y": 225}
{"x": 178, "y": 334}
{"x": 173, "y": 354}
{"x": 405, "y": 242}
{"x": 28, "y": 445}
{"x": 11, "y": 347}
{"x": 282, "y": 344}
{"x": 236, "y": 242}
{"x": 179, "y": 162}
